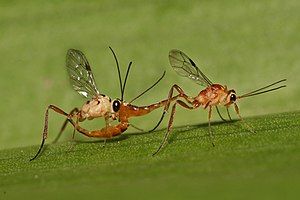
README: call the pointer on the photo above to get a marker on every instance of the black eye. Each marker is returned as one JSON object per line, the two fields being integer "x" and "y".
{"x": 232, "y": 97}
{"x": 116, "y": 105}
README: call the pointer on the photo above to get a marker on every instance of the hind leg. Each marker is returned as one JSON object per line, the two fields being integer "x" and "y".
{"x": 73, "y": 113}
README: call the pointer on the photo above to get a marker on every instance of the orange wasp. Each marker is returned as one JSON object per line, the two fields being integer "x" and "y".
{"x": 98, "y": 105}
{"x": 212, "y": 96}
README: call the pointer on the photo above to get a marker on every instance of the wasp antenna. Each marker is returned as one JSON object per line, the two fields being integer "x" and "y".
{"x": 250, "y": 95}
{"x": 118, "y": 68}
{"x": 126, "y": 76}
{"x": 261, "y": 90}
{"x": 148, "y": 88}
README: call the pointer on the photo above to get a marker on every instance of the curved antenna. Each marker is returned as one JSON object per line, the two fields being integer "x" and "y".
{"x": 148, "y": 88}
{"x": 119, "y": 72}
{"x": 124, "y": 84}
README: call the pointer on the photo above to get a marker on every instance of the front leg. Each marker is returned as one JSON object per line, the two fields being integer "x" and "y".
{"x": 209, "y": 126}
{"x": 236, "y": 108}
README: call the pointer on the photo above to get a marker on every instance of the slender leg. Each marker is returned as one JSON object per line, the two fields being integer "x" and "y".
{"x": 61, "y": 130}
{"x": 71, "y": 115}
{"x": 73, "y": 135}
{"x": 74, "y": 130}
{"x": 181, "y": 103}
{"x": 104, "y": 143}
{"x": 228, "y": 114}
{"x": 170, "y": 98}
{"x": 45, "y": 132}
{"x": 238, "y": 114}
{"x": 222, "y": 118}
{"x": 209, "y": 127}
{"x": 137, "y": 128}
{"x": 107, "y": 124}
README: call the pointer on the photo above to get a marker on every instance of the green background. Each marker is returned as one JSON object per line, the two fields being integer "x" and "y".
{"x": 244, "y": 45}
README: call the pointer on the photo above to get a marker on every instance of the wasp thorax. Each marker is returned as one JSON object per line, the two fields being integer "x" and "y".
{"x": 116, "y": 105}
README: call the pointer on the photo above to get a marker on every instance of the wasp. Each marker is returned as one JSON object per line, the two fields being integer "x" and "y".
{"x": 98, "y": 105}
{"x": 213, "y": 95}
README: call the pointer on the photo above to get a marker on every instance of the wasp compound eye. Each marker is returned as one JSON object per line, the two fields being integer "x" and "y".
{"x": 232, "y": 97}
{"x": 116, "y": 105}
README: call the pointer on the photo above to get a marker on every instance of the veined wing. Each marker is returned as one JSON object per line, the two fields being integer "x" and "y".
{"x": 80, "y": 72}
{"x": 184, "y": 66}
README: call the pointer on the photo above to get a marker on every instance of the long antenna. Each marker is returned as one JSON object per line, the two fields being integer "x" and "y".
{"x": 259, "y": 91}
{"x": 148, "y": 88}
{"x": 253, "y": 94}
{"x": 124, "y": 84}
{"x": 119, "y": 73}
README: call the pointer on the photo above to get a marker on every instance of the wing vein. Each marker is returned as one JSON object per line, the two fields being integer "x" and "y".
{"x": 80, "y": 74}
{"x": 184, "y": 66}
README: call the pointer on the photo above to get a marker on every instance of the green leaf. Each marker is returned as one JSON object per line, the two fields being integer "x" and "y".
{"x": 242, "y": 165}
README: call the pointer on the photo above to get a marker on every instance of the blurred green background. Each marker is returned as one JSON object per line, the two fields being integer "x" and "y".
{"x": 244, "y": 45}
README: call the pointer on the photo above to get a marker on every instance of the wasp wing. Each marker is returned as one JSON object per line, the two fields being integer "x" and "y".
{"x": 80, "y": 73}
{"x": 184, "y": 66}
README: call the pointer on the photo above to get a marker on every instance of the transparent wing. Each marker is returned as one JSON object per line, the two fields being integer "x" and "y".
{"x": 80, "y": 73}
{"x": 184, "y": 66}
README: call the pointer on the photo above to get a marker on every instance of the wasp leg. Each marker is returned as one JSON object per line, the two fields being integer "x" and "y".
{"x": 71, "y": 115}
{"x": 169, "y": 99}
{"x": 219, "y": 113}
{"x": 228, "y": 114}
{"x": 181, "y": 103}
{"x": 73, "y": 135}
{"x": 209, "y": 126}
{"x": 250, "y": 128}
{"x": 137, "y": 128}
{"x": 45, "y": 131}
{"x": 107, "y": 124}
